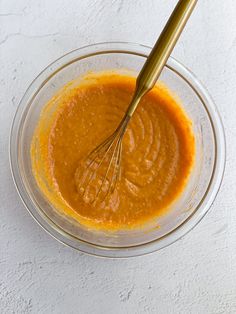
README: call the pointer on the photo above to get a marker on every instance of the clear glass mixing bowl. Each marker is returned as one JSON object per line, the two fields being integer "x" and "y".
{"x": 204, "y": 182}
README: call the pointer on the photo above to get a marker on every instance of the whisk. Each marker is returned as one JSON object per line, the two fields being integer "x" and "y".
{"x": 98, "y": 173}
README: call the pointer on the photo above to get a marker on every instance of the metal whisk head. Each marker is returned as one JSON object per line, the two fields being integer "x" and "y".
{"x": 98, "y": 173}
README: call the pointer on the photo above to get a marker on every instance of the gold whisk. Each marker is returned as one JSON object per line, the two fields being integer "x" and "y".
{"x": 99, "y": 172}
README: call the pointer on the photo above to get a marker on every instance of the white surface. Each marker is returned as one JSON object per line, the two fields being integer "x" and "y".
{"x": 39, "y": 275}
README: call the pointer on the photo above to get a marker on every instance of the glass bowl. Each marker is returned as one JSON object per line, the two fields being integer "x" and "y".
{"x": 200, "y": 191}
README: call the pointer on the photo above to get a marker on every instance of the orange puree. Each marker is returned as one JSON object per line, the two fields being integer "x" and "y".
{"x": 157, "y": 157}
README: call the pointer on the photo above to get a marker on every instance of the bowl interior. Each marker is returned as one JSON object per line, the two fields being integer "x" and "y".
{"x": 71, "y": 67}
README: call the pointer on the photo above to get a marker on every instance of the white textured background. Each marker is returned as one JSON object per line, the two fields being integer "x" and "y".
{"x": 38, "y": 275}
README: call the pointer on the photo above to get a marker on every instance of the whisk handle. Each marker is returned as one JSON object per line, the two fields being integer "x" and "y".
{"x": 161, "y": 51}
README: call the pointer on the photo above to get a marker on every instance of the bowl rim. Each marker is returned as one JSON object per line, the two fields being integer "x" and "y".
{"x": 119, "y": 252}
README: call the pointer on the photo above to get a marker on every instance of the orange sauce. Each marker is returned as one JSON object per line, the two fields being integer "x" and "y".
{"x": 157, "y": 157}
